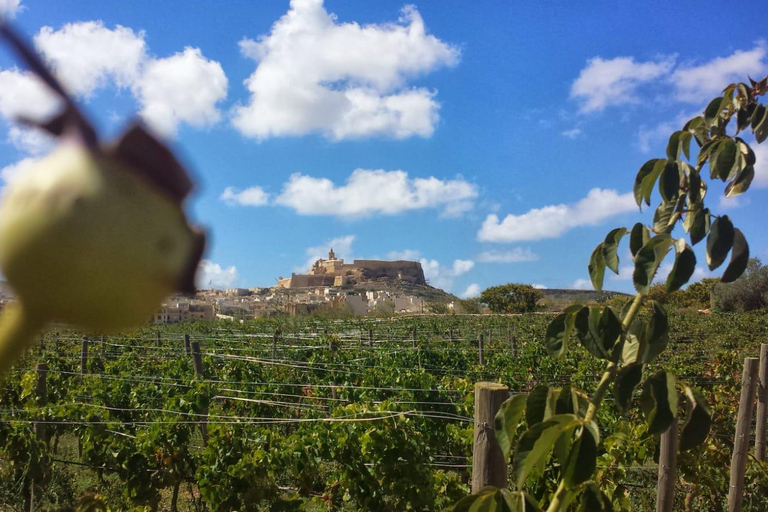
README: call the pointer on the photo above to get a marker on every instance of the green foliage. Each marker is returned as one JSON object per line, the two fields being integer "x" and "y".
{"x": 747, "y": 293}
{"x": 470, "y": 306}
{"x": 511, "y": 298}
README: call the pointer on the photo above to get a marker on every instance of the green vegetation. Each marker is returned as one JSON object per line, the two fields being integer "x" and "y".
{"x": 511, "y": 298}
{"x": 747, "y": 293}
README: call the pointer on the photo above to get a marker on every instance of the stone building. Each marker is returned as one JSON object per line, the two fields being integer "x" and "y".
{"x": 334, "y": 272}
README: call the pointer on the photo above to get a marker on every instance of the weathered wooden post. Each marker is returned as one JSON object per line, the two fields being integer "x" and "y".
{"x": 187, "y": 346}
{"x": 488, "y": 464}
{"x": 667, "y": 469}
{"x": 415, "y": 340}
{"x": 741, "y": 439}
{"x": 274, "y": 345}
{"x": 512, "y": 343}
{"x": 197, "y": 362}
{"x": 370, "y": 337}
{"x": 450, "y": 334}
{"x": 481, "y": 349}
{"x": 159, "y": 339}
{"x": 761, "y": 424}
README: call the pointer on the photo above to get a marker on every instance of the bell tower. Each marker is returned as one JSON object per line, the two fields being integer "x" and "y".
{"x": 331, "y": 254}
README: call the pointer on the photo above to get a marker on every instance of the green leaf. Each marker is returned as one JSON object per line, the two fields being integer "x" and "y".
{"x": 698, "y": 420}
{"x": 723, "y": 160}
{"x": 760, "y": 124}
{"x": 646, "y": 179}
{"x": 656, "y": 332}
{"x": 647, "y": 261}
{"x": 610, "y": 248}
{"x": 659, "y": 401}
{"x": 682, "y": 269}
{"x": 741, "y": 182}
{"x": 699, "y": 225}
{"x": 719, "y": 241}
{"x": 487, "y": 499}
{"x": 694, "y": 184}
{"x": 596, "y": 267}
{"x": 626, "y": 381}
{"x": 540, "y": 405}
{"x": 706, "y": 151}
{"x": 713, "y": 110}
{"x": 663, "y": 217}
{"x": 739, "y": 258}
{"x": 507, "y": 420}
{"x": 673, "y": 146}
{"x": 744, "y": 116}
{"x": 598, "y": 330}
{"x": 536, "y": 443}
{"x": 685, "y": 144}
{"x": 638, "y": 238}
{"x": 559, "y": 331}
{"x": 594, "y": 500}
{"x": 582, "y": 459}
{"x": 669, "y": 184}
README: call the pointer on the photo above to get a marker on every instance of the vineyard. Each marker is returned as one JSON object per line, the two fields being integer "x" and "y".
{"x": 329, "y": 415}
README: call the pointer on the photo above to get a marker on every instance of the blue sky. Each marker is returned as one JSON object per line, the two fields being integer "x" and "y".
{"x": 494, "y": 141}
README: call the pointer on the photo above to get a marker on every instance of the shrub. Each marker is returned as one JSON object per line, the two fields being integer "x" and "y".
{"x": 511, "y": 298}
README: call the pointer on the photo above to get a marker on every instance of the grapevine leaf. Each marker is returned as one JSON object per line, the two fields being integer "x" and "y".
{"x": 536, "y": 443}
{"x": 507, "y": 420}
{"x": 719, "y": 241}
{"x": 739, "y": 258}
{"x": 610, "y": 248}
{"x": 647, "y": 261}
{"x": 597, "y": 267}
{"x": 659, "y": 401}
{"x": 626, "y": 381}
{"x": 582, "y": 459}
{"x": 682, "y": 269}
{"x": 698, "y": 420}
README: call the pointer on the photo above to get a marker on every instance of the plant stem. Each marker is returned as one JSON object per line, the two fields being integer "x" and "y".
{"x": 597, "y": 397}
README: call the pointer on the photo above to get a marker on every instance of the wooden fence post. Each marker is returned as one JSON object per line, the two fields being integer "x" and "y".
{"x": 488, "y": 464}
{"x": 481, "y": 349}
{"x": 187, "y": 345}
{"x": 274, "y": 345}
{"x": 159, "y": 339}
{"x": 415, "y": 339}
{"x": 370, "y": 337}
{"x": 741, "y": 439}
{"x": 84, "y": 356}
{"x": 450, "y": 334}
{"x": 197, "y": 362}
{"x": 761, "y": 424}
{"x": 665, "y": 492}
{"x": 512, "y": 344}
{"x": 103, "y": 348}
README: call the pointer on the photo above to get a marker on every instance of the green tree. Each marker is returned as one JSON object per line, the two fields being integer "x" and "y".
{"x": 511, "y": 298}
{"x": 747, "y": 293}
{"x": 470, "y": 306}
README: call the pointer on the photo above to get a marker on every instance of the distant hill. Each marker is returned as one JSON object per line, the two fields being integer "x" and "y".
{"x": 556, "y": 299}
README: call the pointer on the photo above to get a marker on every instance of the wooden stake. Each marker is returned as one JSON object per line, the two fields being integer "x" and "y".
{"x": 197, "y": 362}
{"x": 761, "y": 424}
{"x": 274, "y": 345}
{"x": 481, "y": 349}
{"x": 159, "y": 339}
{"x": 667, "y": 469}
{"x": 84, "y": 356}
{"x": 415, "y": 339}
{"x": 741, "y": 440}
{"x": 187, "y": 346}
{"x": 488, "y": 464}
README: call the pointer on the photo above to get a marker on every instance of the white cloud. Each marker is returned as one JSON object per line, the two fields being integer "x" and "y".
{"x": 581, "y": 284}
{"x": 603, "y": 83}
{"x": 516, "y": 255}
{"x": 342, "y": 80}
{"x": 182, "y": 88}
{"x": 10, "y": 172}
{"x": 572, "y": 133}
{"x": 213, "y": 275}
{"x": 406, "y": 255}
{"x": 660, "y": 133}
{"x": 30, "y": 140}
{"x": 552, "y": 221}
{"x": 442, "y": 277}
{"x": 369, "y": 192}
{"x": 10, "y": 8}
{"x": 761, "y": 166}
{"x": 472, "y": 291}
{"x": 252, "y": 196}
{"x": 87, "y": 57}
{"x": 461, "y": 267}
{"x": 540, "y": 286}
{"x": 342, "y": 247}
{"x": 733, "y": 203}
{"x": 699, "y": 83}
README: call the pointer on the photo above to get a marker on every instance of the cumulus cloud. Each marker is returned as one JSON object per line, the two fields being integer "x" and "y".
{"x": 168, "y": 99}
{"x": 697, "y": 83}
{"x": 369, "y": 192}
{"x": 610, "y": 82}
{"x": 342, "y": 247}
{"x": 213, "y": 275}
{"x": 581, "y": 284}
{"x": 516, "y": 255}
{"x": 442, "y": 277}
{"x": 540, "y": 286}
{"x": 87, "y": 57}
{"x": 406, "y": 255}
{"x": 472, "y": 291}
{"x": 252, "y": 196}
{"x": 552, "y": 221}
{"x": 10, "y": 8}
{"x": 761, "y": 166}
{"x": 342, "y": 80}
